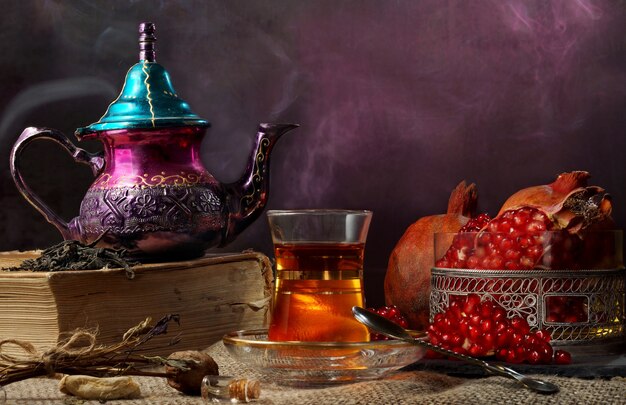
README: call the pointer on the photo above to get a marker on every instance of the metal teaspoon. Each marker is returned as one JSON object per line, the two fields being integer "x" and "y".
{"x": 382, "y": 325}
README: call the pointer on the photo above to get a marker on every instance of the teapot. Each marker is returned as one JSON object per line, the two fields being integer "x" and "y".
{"x": 152, "y": 196}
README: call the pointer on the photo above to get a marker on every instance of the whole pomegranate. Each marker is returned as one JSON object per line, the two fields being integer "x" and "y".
{"x": 516, "y": 238}
{"x": 407, "y": 281}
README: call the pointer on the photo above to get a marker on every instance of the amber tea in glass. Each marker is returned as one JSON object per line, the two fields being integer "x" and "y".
{"x": 319, "y": 274}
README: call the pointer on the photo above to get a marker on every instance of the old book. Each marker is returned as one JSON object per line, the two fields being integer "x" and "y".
{"x": 213, "y": 296}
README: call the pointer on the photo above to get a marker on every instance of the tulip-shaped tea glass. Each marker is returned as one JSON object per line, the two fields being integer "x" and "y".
{"x": 319, "y": 275}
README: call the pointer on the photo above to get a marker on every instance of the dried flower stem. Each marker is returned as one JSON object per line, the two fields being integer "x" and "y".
{"x": 79, "y": 354}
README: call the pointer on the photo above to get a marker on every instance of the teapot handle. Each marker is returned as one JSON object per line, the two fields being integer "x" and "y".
{"x": 93, "y": 160}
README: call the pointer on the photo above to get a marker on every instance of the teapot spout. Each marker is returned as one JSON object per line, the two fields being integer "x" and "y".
{"x": 248, "y": 195}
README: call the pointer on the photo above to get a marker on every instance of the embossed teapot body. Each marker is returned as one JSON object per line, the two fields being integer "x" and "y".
{"x": 152, "y": 195}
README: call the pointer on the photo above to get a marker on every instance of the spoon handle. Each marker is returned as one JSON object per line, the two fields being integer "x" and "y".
{"x": 472, "y": 360}
{"x": 534, "y": 384}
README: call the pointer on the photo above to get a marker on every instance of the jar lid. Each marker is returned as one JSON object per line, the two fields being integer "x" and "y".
{"x": 148, "y": 99}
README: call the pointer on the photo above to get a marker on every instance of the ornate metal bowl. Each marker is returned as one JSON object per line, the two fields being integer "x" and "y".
{"x": 575, "y": 306}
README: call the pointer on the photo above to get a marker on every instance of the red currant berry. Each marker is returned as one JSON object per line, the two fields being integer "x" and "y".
{"x": 543, "y": 335}
{"x": 471, "y": 303}
{"x": 562, "y": 357}
{"x": 393, "y": 314}
{"x": 520, "y": 325}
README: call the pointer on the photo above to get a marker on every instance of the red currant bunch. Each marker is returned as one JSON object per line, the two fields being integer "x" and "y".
{"x": 391, "y": 312}
{"x": 482, "y": 329}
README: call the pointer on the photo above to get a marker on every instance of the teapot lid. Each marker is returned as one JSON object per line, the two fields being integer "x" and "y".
{"x": 148, "y": 99}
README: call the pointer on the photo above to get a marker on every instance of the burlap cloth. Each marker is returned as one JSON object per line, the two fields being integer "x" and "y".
{"x": 409, "y": 387}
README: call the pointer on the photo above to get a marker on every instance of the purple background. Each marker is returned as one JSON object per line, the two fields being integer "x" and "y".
{"x": 398, "y": 101}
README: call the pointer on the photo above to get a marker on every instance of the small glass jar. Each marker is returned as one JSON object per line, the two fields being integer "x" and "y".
{"x": 219, "y": 388}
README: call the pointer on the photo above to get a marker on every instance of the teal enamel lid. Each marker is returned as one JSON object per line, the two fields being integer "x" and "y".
{"x": 148, "y": 99}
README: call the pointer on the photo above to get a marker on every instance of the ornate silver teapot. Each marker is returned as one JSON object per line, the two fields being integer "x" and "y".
{"x": 152, "y": 195}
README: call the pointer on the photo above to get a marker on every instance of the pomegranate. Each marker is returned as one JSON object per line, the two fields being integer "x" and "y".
{"x": 568, "y": 202}
{"x": 516, "y": 238}
{"x": 391, "y": 313}
{"x": 407, "y": 281}
{"x": 482, "y": 329}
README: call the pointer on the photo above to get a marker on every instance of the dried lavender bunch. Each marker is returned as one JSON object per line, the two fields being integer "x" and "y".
{"x": 73, "y": 255}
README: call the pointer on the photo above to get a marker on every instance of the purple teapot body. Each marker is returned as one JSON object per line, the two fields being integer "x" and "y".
{"x": 152, "y": 195}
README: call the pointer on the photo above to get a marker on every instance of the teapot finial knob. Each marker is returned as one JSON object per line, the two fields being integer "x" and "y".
{"x": 147, "y": 50}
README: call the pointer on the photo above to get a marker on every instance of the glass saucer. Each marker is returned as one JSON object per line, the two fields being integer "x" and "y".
{"x": 320, "y": 363}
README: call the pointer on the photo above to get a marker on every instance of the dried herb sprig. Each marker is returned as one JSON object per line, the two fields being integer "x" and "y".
{"x": 79, "y": 354}
{"x": 73, "y": 255}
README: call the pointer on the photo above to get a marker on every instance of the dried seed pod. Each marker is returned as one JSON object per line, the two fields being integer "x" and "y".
{"x": 196, "y": 365}
{"x": 88, "y": 387}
